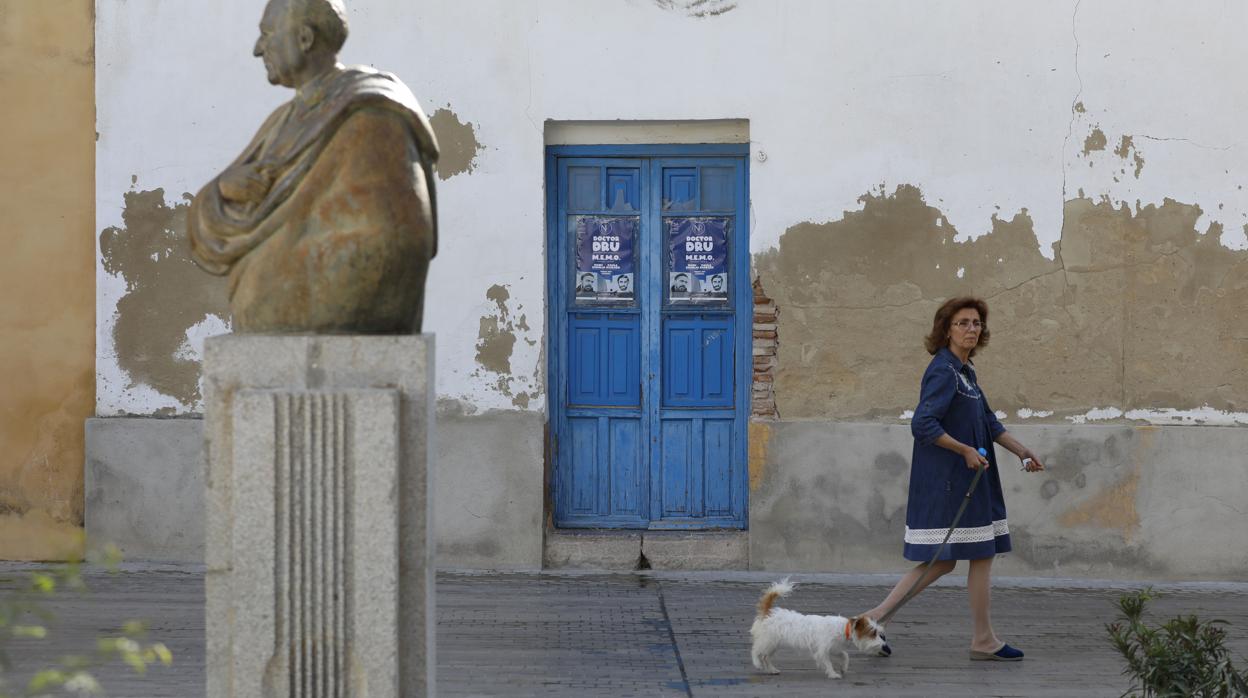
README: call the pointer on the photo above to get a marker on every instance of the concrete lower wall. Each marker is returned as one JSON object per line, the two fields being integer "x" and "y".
{"x": 145, "y": 483}
{"x": 1118, "y": 501}
{"x": 145, "y": 488}
{"x": 488, "y": 490}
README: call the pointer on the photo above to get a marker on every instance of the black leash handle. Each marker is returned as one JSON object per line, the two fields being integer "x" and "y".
{"x": 911, "y": 593}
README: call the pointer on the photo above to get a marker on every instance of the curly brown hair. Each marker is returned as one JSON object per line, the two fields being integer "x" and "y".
{"x": 939, "y": 336}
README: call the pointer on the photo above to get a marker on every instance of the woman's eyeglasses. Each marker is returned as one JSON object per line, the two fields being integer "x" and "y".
{"x": 965, "y": 325}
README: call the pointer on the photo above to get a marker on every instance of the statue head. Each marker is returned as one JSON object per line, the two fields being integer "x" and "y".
{"x": 300, "y": 38}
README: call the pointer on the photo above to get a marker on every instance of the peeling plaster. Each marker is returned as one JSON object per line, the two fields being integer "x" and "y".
{"x": 1095, "y": 141}
{"x": 1126, "y": 149}
{"x": 1095, "y": 326}
{"x": 698, "y": 8}
{"x": 496, "y": 341}
{"x": 1118, "y": 176}
{"x": 168, "y": 301}
{"x": 760, "y": 437}
{"x": 457, "y": 141}
{"x": 1203, "y": 416}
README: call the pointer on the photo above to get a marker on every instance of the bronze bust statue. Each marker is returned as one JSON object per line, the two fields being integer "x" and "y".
{"x": 327, "y": 221}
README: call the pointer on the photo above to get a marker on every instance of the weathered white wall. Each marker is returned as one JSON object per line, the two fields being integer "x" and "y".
{"x": 972, "y": 102}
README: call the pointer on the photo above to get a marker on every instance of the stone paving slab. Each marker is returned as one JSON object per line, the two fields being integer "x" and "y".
{"x": 672, "y": 634}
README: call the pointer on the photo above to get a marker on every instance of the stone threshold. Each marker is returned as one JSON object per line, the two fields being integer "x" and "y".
{"x": 628, "y": 550}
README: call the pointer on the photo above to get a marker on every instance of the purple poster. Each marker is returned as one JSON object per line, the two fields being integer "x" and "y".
{"x": 698, "y": 255}
{"x": 604, "y": 258}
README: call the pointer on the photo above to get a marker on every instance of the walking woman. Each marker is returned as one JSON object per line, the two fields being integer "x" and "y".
{"x": 952, "y": 421}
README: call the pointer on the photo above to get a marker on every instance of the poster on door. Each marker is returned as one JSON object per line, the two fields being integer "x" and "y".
{"x": 605, "y": 267}
{"x": 698, "y": 260}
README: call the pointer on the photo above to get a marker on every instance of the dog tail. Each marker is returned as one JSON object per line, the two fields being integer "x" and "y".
{"x": 778, "y": 590}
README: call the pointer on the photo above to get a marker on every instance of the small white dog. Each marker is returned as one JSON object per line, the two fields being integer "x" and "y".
{"x": 820, "y": 635}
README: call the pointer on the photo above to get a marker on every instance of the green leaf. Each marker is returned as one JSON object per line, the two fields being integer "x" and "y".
{"x": 48, "y": 678}
{"x": 36, "y": 631}
{"x": 162, "y": 653}
{"x": 133, "y": 628}
{"x": 42, "y": 583}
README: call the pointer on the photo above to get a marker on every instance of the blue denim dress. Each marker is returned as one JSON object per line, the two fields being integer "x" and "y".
{"x": 951, "y": 402}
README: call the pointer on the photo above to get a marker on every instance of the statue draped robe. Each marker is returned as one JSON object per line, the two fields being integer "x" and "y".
{"x": 341, "y": 241}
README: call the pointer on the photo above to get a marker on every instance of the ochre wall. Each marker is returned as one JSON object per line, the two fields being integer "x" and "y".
{"x": 47, "y": 272}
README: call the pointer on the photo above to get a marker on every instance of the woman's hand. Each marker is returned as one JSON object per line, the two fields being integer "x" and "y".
{"x": 1031, "y": 462}
{"x": 974, "y": 461}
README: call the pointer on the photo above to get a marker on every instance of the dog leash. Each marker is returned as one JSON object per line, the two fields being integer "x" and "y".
{"x": 911, "y": 593}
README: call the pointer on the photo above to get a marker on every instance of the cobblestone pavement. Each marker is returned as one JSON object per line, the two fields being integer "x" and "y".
{"x": 671, "y": 634}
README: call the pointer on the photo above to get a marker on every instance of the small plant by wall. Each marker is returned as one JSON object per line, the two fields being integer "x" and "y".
{"x": 1184, "y": 657}
{"x": 26, "y": 614}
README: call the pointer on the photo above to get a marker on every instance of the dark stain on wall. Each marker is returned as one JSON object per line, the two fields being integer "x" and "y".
{"x": 166, "y": 294}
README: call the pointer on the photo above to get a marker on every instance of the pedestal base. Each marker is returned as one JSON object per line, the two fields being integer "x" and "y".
{"x": 319, "y": 556}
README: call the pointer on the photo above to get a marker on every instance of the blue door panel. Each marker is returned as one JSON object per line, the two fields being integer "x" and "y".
{"x": 584, "y": 387}
{"x": 623, "y": 189}
{"x": 680, "y": 189}
{"x": 676, "y": 456}
{"x": 623, "y": 359}
{"x": 717, "y": 466}
{"x": 718, "y": 188}
{"x": 583, "y": 481}
{"x": 698, "y": 362}
{"x": 605, "y": 365}
{"x": 626, "y": 466}
{"x": 584, "y": 188}
{"x": 678, "y": 366}
{"x": 716, "y": 357}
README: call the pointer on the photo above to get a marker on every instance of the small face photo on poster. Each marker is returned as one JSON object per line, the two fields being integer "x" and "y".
{"x": 680, "y": 283}
{"x": 585, "y": 283}
{"x": 624, "y": 285}
{"x": 716, "y": 285}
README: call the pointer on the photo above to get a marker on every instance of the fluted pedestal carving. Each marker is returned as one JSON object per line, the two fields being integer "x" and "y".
{"x": 319, "y": 579}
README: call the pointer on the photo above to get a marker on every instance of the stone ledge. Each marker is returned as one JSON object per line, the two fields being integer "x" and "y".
{"x": 701, "y": 550}
{"x": 663, "y": 550}
{"x": 592, "y": 549}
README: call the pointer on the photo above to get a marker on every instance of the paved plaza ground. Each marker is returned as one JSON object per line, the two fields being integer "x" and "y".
{"x": 674, "y": 634}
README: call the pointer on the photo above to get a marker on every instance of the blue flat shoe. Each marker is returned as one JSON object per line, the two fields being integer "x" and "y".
{"x": 1005, "y": 654}
{"x": 884, "y": 651}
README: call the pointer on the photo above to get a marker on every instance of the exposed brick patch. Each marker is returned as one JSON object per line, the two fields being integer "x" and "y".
{"x": 763, "y": 402}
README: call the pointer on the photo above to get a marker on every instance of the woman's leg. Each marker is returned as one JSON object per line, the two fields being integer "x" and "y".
{"x": 979, "y": 588}
{"x": 939, "y": 569}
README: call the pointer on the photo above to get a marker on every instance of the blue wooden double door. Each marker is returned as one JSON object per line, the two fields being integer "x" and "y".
{"x": 650, "y": 346}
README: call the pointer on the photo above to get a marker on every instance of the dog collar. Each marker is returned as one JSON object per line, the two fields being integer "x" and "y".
{"x": 848, "y": 624}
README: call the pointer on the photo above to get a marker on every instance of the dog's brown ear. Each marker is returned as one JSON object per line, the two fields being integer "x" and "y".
{"x": 862, "y": 627}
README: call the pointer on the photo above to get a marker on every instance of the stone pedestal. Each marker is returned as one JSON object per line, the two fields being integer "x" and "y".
{"x": 318, "y": 547}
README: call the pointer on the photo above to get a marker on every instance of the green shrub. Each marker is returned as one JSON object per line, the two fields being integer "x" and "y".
{"x": 24, "y": 614}
{"x": 1182, "y": 658}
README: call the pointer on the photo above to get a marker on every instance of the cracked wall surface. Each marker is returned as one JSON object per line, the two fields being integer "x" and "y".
{"x": 46, "y": 317}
